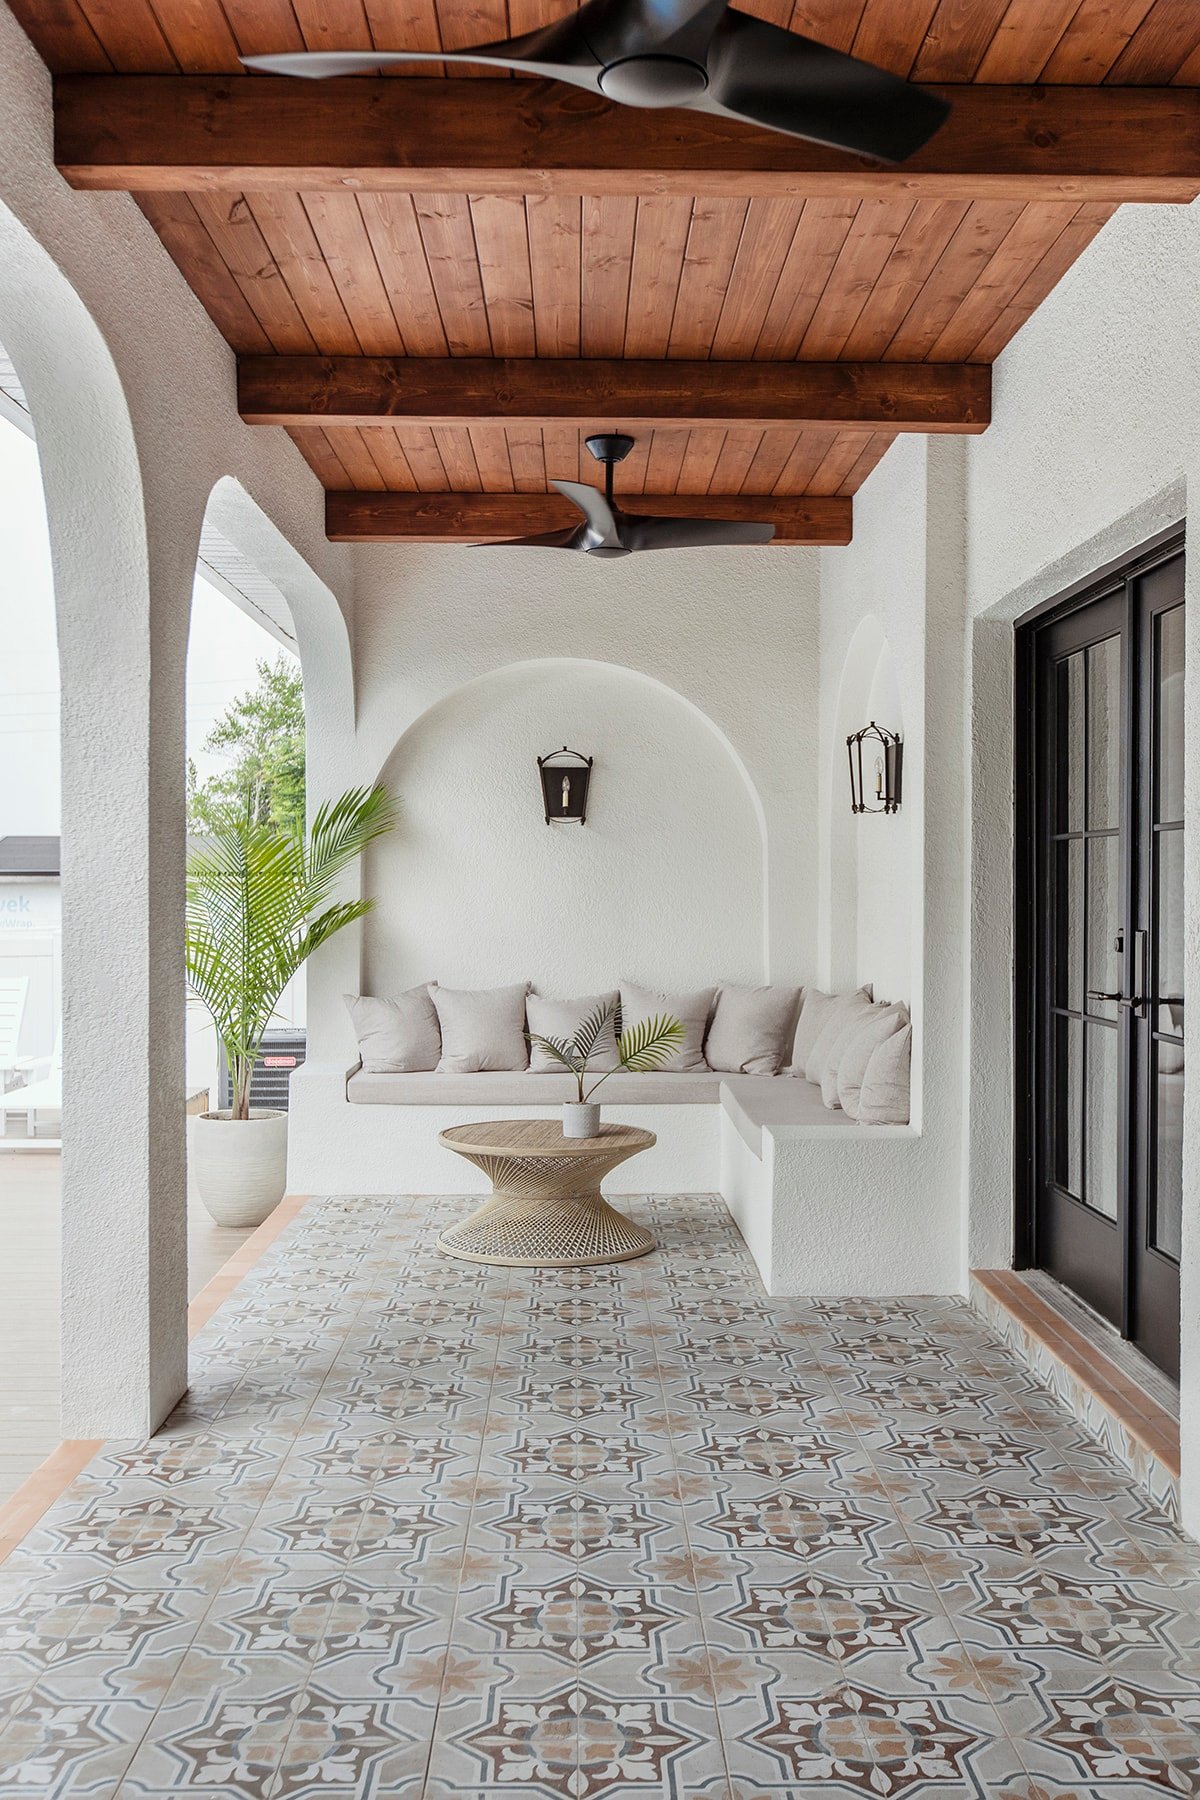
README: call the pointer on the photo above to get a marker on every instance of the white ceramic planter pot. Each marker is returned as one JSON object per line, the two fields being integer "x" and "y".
{"x": 240, "y": 1165}
{"x": 581, "y": 1121}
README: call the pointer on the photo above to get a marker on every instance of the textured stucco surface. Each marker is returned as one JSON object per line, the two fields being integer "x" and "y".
{"x": 1094, "y": 447}
{"x": 132, "y": 394}
{"x": 891, "y": 894}
{"x": 663, "y": 885}
{"x": 679, "y": 643}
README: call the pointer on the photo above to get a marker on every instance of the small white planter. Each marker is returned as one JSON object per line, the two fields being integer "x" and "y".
{"x": 240, "y": 1165}
{"x": 581, "y": 1121}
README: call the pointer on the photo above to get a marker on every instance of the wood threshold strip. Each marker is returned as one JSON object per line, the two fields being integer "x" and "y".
{"x": 388, "y": 518}
{"x": 52, "y": 1477}
{"x": 166, "y": 133}
{"x": 628, "y": 395}
{"x": 1147, "y": 1422}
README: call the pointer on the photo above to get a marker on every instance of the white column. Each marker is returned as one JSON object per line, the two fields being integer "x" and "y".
{"x": 123, "y": 568}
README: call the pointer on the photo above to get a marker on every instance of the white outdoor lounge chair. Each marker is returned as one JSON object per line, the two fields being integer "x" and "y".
{"x": 44, "y": 1095}
{"x": 14, "y": 991}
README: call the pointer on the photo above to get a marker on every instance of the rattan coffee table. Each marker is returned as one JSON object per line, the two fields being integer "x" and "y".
{"x": 546, "y": 1210}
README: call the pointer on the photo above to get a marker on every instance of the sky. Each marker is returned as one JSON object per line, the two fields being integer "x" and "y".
{"x": 223, "y": 648}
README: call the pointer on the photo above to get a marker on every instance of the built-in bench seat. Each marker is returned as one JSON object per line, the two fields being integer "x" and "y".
{"x": 517, "y": 1087}
{"x": 800, "y": 1180}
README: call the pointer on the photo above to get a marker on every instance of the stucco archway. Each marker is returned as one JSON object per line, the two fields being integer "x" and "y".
{"x": 122, "y": 617}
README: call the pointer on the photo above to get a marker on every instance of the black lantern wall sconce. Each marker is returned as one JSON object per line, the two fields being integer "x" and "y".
{"x": 876, "y": 758}
{"x": 565, "y": 775}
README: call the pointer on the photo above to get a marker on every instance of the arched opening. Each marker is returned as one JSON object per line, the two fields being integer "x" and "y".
{"x": 30, "y": 955}
{"x": 123, "y": 1343}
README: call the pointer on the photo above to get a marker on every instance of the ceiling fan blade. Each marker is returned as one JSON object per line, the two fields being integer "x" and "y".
{"x": 767, "y": 76}
{"x": 601, "y": 528}
{"x": 645, "y": 532}
{"x": 569, "y": 539}
{"x": 559, "y": 51}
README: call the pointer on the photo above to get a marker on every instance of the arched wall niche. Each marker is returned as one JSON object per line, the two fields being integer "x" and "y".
{"x": 870, "y": 873}
{"x": 664, "y": 885}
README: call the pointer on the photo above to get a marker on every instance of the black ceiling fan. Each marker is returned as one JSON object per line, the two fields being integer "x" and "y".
{"x": 702, "y": 54}
{"x": 607, "y": 531}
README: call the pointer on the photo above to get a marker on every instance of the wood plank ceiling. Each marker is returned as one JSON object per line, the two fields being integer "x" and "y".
{"x": 885, "y": 278}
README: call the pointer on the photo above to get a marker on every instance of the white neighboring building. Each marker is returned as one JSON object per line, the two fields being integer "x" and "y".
{"x": 31, "y": 934}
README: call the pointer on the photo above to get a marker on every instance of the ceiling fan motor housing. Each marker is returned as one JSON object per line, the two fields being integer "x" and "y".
{"x": 653, "y": 81}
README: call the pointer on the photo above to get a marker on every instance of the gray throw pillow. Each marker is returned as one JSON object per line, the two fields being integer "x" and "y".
{"x": 852, "y": 1052}
{"x": 691, "y": 1010}
{"x": 884, "y": 1099}
{"x": 561, "y": 1019}
{"x": 751, "y": 1028}
{"x": 483, "y": 1028}
{"x": 396, "y": 1036}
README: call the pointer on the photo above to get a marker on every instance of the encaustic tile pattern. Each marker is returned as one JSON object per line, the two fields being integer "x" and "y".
{"x": 425, "y": 1529}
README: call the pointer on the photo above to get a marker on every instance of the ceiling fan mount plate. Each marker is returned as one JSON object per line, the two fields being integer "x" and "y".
{"x": 610, "y": 446}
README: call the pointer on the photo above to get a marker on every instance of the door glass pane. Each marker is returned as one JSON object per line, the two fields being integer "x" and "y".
{"x": 1071, "y": 737}
{"x": 1068, "y": 1105}
{"x": 1166, "y": 1015}
{"x": 1104, "y": 733}
{"x": 1170, "y": 716}
{"x": 1068, "y": 964}
{"x": 1100, "y": 1121}
{"x": 1168, "y": 1160}
{"x": 1103, "y": 923}
{"x": 1169, "y": 907}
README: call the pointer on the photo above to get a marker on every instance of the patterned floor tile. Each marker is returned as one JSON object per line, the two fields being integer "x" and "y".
{"x": 434, "y": 1531}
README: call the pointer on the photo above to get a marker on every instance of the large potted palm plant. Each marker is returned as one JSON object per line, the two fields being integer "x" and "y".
{"x": 259, "y": 902}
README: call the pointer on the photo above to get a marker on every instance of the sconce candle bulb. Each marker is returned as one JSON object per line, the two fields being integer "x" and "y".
{"x": 888, "y": 762}
{"x": 565, "y": 786}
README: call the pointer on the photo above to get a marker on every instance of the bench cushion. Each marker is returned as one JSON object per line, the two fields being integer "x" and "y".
{"x": 754, "y": 1102}
{"x": 495, "y": 1087}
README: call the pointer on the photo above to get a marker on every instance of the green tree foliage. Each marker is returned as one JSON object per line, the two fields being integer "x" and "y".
{"x": 259, "y": 902}
{"x": 262, "y": 733}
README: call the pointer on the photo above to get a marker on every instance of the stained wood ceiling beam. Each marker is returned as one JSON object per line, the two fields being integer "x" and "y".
{"x": 372, "y": 390}
{"x": 373, "y": 518}
{"x": 197, "y": 132}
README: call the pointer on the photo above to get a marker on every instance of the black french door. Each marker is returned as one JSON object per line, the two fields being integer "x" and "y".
{"x": 1100, "y": 952}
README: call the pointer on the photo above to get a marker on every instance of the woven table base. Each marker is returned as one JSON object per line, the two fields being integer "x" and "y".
{"x": 546, "y": 1210}
{"x": 559, "y": 1233}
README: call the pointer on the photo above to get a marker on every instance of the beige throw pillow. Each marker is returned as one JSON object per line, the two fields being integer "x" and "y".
{"x": 813, "y": 1015}
{"x": 853, "y": 1051}
{"x": 691, "y": 1010}
{"x": 397, "y": 1036}
{"x": 845, "y": 1008}
{"x": 481, "y": 1029}
{"x": 750, "y": 1029}
{"x": 884, "y": 1099}
{"x": 561, "y": 1019}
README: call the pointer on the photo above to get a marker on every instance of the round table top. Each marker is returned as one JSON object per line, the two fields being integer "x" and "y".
{"x": 541, "y": 1137}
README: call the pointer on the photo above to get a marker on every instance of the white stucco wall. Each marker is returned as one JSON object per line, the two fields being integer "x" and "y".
{"x": 663, "y": 885}
{"x": 1094, "y": 447}
{"x": 698, "y": 861}
{"x": 132, "y": 394}
{"x": 890, "y": 894}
